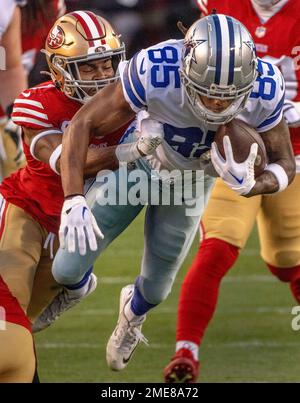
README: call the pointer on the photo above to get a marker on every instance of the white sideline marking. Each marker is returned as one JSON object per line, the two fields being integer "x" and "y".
{"x": 169, "y": 311}
{"x": 232, "y": 279}
{"x": 115, "y": 280}
{"x": 160, "y": 346}
{"x": 128, "y": 253}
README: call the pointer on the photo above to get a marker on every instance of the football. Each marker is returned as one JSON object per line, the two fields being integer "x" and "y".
{"x": 242, "y": 136}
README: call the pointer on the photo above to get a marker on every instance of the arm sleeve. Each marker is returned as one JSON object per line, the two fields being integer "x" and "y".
{"x": 268, "y": 98}
{"x": 272, "y": 112}
{"x": 134, "y": 75}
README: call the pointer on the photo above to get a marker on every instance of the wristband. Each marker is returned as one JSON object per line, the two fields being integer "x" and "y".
{"x": 54, "y": 157}
{"x": 279, "y": 174}
{"x": 127, "y": 152}
{"x": 74, "y": 195}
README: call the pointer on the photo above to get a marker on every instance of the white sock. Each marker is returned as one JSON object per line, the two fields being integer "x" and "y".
{"x": 189, "y": 345}
{"x": 130, "y": 315}
{"x": 79, "y": 292}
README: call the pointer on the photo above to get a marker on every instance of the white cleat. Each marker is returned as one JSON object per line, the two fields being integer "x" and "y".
{"x": 126, "y": 336}
{"x": 61, "y": 303}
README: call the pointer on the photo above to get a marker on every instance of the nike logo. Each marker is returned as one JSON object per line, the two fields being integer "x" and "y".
{"x": 26, "y": 95}
{"x": 142, "y": 70}
{"x": 240, "y": 181}
{"x": 83, "y": 211}
{"x": 126, "y": 360}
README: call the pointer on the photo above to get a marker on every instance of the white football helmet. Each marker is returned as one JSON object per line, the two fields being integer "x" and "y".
{"x": 219, "y": 61}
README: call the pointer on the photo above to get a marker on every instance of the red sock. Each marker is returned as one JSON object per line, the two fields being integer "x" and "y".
{"x": 200, "y": 289}
{"x": 289, "y": 275}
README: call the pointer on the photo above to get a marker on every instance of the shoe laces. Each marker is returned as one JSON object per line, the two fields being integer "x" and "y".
{"x": 127, "y": 336}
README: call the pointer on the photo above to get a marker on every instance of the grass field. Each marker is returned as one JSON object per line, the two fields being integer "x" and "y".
{"x": 249, "y": 340}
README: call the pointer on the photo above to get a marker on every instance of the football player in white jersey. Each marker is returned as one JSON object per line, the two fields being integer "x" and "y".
{"x": 183, "y": 90}
{"x": 228, "y": 219}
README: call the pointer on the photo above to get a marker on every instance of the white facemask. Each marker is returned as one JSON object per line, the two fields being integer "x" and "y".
{"x": 266, "y": 9}
{"x": 266, "y": 3}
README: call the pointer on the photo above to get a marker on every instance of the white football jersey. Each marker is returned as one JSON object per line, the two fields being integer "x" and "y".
{"x": 151, "y": 81}
{"x": 6, "y": 13}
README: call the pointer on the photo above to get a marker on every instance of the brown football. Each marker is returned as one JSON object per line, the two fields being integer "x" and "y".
{"x": 242, "y": 136}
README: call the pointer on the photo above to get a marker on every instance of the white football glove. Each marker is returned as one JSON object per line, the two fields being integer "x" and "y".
{"x": 147, "y": 145}
{"x": 238, "y": 176}
{"x": 78, "y": 222}
{"x": 151, "y": 133}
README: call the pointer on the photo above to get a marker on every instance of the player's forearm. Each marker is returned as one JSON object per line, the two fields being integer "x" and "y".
{"x": 268, "y": 182}
{"x": 73, "y": 157}
{"x": 281, "y": 160}
{"x": 100, "y": 159}
{"x": 265, "y": 183}
{"x": 103, "y": 114}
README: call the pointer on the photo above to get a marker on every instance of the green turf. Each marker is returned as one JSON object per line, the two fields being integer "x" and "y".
{"x": 249, "y": 340}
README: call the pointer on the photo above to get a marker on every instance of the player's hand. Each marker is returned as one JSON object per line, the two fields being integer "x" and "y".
{"x": 15, "y": 133}
{"x": 206, "y": 165}
{"x": 147, "y": 145}
{"x": 151, "y": 134}
{"x": 78, "y": 223}
{"x": 238, "y": 176}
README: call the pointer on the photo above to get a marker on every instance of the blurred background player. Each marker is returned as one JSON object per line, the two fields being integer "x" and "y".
{"x": 12, "y": 76}
{"x": 37, "y": 17}
{"x": 82, "y": 59}
{"x": 142, "y": 22}
{"x": 229, "y": 219}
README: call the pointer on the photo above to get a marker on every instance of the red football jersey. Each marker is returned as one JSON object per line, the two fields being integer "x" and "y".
{"x": 33, "y": 40}
{"x": 278, "y": 40}
{"x": 36, "y": 188}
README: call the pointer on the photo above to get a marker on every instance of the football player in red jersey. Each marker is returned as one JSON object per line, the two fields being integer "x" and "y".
{"x": 45, "y": 13}
{"x": 37, "y": 17}
{"x": 83, "y": 53}
{"x": 229, "y": 219}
